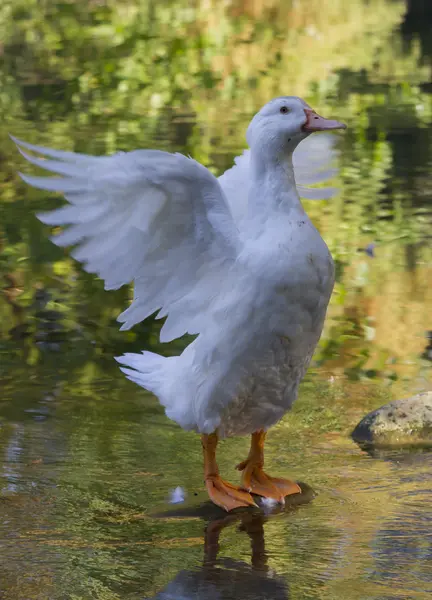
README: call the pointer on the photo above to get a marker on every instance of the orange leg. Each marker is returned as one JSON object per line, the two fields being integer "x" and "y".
{"x": 255, "y": 480}
{"x": 221, "y": 492}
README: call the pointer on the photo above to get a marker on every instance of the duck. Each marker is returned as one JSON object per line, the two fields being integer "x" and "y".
{"x": 234, "y": 261}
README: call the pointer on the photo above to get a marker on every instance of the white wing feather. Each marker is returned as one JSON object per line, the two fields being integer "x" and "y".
{"x": 312, "y": 161}
{"x": 160, "y": 220}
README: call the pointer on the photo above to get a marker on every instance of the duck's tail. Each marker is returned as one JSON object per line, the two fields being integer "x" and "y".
{"x": 146, "y": 369}
{"x": 159, "y": 375}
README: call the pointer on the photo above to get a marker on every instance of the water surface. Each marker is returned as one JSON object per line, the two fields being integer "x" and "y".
{"x": 87, "y": 459}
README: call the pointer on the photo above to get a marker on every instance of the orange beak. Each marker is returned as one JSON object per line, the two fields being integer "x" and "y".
{"x": 316, "y": 123}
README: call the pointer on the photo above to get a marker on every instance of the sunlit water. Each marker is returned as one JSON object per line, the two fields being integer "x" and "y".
{"x": 87, "y": 460}
{"x": 86, "y": 476}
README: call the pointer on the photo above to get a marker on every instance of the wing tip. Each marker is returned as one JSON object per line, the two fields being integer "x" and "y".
{"x": 43, "y": 217}
{"x": 24, "y": 177}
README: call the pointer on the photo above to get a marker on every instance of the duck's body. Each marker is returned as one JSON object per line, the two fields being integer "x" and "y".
{"x": 273, "y": 372}
{"x": 297, "y": 275}
{"x": 236, "y": 261}
{"x": 244, "y": 374}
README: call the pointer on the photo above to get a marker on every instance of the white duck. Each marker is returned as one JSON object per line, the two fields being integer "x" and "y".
{"x": 235, "y": 260}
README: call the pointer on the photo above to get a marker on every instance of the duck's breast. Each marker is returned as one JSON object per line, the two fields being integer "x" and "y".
{"x": 300, "y": 278}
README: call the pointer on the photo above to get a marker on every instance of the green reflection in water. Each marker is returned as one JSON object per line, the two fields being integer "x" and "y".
{"x": 87, "y": 458}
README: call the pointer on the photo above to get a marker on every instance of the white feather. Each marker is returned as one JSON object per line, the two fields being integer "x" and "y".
{"x": 142, "y": 216}
{"x": 311, "y": 161}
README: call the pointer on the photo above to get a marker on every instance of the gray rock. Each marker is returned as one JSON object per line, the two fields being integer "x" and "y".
{"x": 399, "y": 423}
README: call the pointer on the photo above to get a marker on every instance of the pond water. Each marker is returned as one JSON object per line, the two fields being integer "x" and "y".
{"x": 87, "y": 459}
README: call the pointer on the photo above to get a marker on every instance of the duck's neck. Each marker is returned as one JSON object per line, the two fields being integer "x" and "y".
{"x": 273, "y": 189}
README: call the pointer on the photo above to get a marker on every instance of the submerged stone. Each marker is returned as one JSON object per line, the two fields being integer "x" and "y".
{"x": 406, "y": 422}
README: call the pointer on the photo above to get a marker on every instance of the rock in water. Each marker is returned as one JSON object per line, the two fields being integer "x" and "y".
{"x": 399, "y": 423}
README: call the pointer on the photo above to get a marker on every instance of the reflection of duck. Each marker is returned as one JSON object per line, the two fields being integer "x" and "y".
{"x": 235, "y": 260}
{"x": 228, "y": 579}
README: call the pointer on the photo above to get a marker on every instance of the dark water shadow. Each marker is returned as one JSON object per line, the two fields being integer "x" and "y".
{"x": 403, "y": 452}
{"x": 226, "y": 578}
{"x": 200, "y": 507}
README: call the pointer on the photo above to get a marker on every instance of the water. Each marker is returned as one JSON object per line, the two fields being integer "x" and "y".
{"x": 87, "y": 460}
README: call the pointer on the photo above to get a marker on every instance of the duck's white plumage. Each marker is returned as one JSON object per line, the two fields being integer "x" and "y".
{"x": 312, "y": 163}
{"x": 235, "y": 260}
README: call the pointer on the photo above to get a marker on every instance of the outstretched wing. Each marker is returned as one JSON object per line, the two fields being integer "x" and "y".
{"x": 160, "y": 220}
{"x": 312, "y": 160}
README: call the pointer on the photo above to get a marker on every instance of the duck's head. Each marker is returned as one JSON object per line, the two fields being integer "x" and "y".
{"x": 284, "y": 122}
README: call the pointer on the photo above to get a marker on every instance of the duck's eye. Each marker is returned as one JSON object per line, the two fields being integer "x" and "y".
{"x": 284, "y": 110}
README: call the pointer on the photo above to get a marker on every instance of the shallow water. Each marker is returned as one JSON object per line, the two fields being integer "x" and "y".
{"x": 84, "y": 513}
{"x": 88, "y": 460}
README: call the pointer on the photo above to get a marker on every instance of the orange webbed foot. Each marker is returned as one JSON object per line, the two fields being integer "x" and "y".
{"x": 256, "y": 481}
{"x": 226, "y": 495}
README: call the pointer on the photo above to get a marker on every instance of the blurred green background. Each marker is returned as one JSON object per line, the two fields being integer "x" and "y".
{"x": 79, "y": 441}
{"x": 187, "y": 76}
